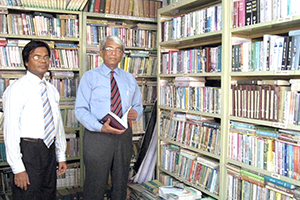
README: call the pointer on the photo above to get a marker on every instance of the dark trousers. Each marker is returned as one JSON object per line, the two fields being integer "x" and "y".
{"x": 40, "y": 164}
{"x": 103, "y": 153}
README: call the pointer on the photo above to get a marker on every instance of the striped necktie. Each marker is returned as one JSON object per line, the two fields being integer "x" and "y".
{"x": 48, "y": 117}
{"x": 115, "y": 98}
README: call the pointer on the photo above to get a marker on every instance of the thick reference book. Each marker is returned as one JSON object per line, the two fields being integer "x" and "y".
{"x": 115, "y": 120}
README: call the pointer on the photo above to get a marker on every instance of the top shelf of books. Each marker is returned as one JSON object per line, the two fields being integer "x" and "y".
{"x": 71, "y": 5}
{"x": 122, "y": 17}
{"x": 279, "y": 26}
{"x": 184, "y": 6}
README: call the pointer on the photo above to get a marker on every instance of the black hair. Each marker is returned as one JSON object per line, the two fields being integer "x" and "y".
{"x": 31, "y": 46}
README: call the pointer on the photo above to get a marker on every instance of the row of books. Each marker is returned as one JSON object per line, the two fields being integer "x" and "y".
{"x": 137, "y": 8}
{"x": 93, "y": 59}
{"x": 136, "y": 63}
{"x": 247, "y": 185}
{"x": 139, "y": 65}
{"x": 275, "y": 150}
{"x": 5, "y": 82}
{"x": 191, "y": 131}
{"x": 71, "y": 178}
{"x": 2, "y": 150}
{"x": 76, "y": 5}
{"x": 148, "y": 90}
{"x": 66, "y": 87}
{"x": 73, "y": 147}
{"x": 6, "y": 178}
{"x": 249, "y": 12}
{"x": 270, "y": 100}
{"x": 273, "y": 53}
{"x": 199, "y": 60}
{"x": 194, "y": 168}
{"x": 63, "y": 56}
{"x": 138, "y": 128}
{"x": 40, "y": 24}
{"x": 190, "y": 94}
{"x": 133, "y": 35}
{"x": 69, "y": 119}
{"x": 193, "y": 23}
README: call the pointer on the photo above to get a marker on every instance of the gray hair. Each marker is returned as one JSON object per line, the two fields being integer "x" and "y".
{"x": 113, "y": 38}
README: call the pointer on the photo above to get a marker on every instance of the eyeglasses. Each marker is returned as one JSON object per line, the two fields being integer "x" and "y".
{"x": 110, "y": 50}
{"x": 39, "y": 58}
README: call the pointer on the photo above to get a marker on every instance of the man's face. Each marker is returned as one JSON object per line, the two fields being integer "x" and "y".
{"x": 112, "y": 54}
{"x": 38, "y": 62}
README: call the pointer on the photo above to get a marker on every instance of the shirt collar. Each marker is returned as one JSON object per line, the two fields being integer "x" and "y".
{"x": 107, "y": 70}
{"x": 34, "y": 79}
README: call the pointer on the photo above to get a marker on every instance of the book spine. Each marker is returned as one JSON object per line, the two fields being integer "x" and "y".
{"x": 279, "y": 182}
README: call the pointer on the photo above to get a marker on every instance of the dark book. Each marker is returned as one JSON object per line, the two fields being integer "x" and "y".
{"x": 285, "y": 53}
{"x": 254, "y": 10}
{"x": 115, "y": 120}
{"x": 102, "y": 6}
{"x": 248, "y": 10}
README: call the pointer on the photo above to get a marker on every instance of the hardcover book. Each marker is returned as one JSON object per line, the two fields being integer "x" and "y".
{"x": 115, "y": 120}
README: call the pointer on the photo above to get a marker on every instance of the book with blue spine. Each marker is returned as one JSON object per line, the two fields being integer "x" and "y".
{"x": 279, "y": 182}
{"x": 267, "y": 133}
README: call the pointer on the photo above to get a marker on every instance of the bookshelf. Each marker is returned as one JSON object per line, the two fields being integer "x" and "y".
{"x": 268, "y": 122}
{"x": 236, "y": 158}
{"x": 61, "y": 29}
{"x": 192, "y": 66}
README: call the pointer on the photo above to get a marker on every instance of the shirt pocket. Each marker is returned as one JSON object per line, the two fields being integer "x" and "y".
{"x": 100, "y": 94}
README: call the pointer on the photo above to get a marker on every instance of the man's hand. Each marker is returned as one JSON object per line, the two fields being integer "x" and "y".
{"x": 106, "y": 128}
{"x": 62, "y": 168}
{"x": 132, "y": 114}
{"x": 22, "y": 180}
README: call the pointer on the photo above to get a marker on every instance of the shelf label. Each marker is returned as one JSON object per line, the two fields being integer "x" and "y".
{"x": 285, "y": 19}
{"x": 3, "y": 10}
{"x": 285, "y": 72}
{"x": 129, "y": 17}
{"x": 275, "y": 175}
{"x": 279, "y": 125}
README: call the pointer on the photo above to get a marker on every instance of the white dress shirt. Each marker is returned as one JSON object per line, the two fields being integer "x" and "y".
{"x": 23, "y": 118}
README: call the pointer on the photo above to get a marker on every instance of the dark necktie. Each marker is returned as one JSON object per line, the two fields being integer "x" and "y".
{"x": 115, "y": 99}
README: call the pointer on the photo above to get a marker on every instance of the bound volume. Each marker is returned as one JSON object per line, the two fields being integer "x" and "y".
{"x": 115, "y": 120}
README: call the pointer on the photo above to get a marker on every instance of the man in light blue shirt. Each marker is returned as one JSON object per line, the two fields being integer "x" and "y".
{"x": 106, "y": 148}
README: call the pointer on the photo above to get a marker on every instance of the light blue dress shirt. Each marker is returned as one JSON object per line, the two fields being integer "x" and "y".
{"x": 93, "y": 95}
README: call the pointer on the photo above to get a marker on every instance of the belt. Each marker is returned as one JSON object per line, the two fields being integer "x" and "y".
{"x": 36, "y": 140}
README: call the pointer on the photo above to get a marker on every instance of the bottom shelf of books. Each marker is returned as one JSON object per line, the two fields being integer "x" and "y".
{"x": 263, "y": 161}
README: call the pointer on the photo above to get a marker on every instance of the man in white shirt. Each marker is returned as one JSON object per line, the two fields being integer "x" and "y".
{"x": 33, "y": 130}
